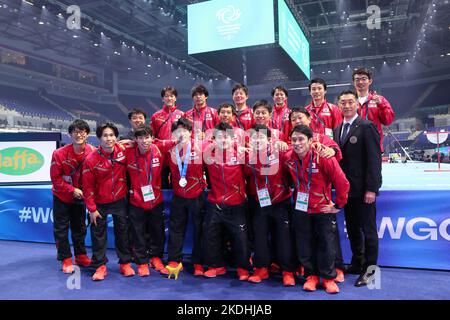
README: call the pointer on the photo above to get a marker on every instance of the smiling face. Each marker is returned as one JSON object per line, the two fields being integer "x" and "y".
{"x": 226, "y": 114}
{"x": 182, "y": 134}
{"x": 300, "y": 143}
{"x": 223, "y": 140}
{"x": 317, "y": 91}
{"x": 240, "y": 97}
{"x": 137, "y": 120}
{"x": 347, "y": 104}
{"x": 199, "y": 99}
{"x": 261, "y": 115}
{"x": 108, "y": 139}
{"x": 279, "y": 97}
{"x": 169, "y": 99}
{"x": 361, "y": 82}
{"x": 79, "y": 137}
{"x": 299, "y": 118}
{"x": 144, "y": 143}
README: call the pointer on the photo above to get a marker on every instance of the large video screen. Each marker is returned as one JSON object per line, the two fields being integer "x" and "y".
{"x": 292, "y": 39}
{"x": 226, "y": 24}
{"x": 25, "y": 161}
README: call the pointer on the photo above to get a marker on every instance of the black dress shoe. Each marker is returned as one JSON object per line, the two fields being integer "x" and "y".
{"x": 364, "y": 279}
{"x": 353, "y": 269}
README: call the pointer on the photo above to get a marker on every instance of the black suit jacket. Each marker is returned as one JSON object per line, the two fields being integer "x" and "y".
{"x": 361, "y": 156}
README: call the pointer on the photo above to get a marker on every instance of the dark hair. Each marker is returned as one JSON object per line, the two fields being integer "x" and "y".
{"x": 318, "y": 80}
{"x": 299, "y": 109}
{"x": 364, "y": 71}
{"x": 261, "y": 128}
{"x": 223, "y": 127}
{"x": 226, "y": 105}
{"x": 262, "y": 103}
{"x": 102, "y": 127}
{"x": 301, "y": 128}
{"x": 169, "y": 89}
{"x": 183, "y": 122}
{"x": 143, "y": 131}
{"x": 347, "y": 92}
{"x": 240, "y": 86}
{"x": 279, "y": 88}
{"x": 136, "y": 111}
{"x": 80, "y": 125}
{"x": 199, "y": 89}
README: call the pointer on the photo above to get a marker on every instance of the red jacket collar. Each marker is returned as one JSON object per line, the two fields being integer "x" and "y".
{"x": 169, "y": 109}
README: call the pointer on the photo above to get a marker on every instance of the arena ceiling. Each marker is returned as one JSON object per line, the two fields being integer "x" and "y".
{"x": 411, "y": 30}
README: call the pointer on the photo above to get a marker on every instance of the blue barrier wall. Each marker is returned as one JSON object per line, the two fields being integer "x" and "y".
{"x": 413, "y": 226}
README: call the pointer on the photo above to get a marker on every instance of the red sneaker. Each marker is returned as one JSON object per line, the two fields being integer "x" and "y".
{"x": 242, "y": 274}
{"x": 288, "y": 279}
{"x": 156, "y": 263}
{"x": 198, "y": 270}
{"x": 330, "y": 286}
{"x": 214, "y": 272}
{"x": 67, "y": 266}
{"x": 126, "y": 270}
{"x": 311, "y": 283}
{"x": 83, "y": 260}
{"x": 100, "y": 273}
{"x": 274, "y": 268}
{"x": 340, "y": 276}
{"x": 258, "y": 275}
{"x": 143, "y": 270}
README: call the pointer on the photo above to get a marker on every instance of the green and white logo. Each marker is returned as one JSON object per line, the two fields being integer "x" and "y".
{"x": 20, "y": 161}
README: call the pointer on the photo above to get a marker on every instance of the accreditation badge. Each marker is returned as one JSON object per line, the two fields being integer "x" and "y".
{"x": 301, "y": 204}
{"x": 147, "y": 193}
{"x": 329, "y": 133}
{"x": 264, "y": 198}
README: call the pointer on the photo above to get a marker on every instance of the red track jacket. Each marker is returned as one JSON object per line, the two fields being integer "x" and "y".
{"x": 381, "y": 114}
{"x": 194, "y": 175}
{"x": 226, "y": 176}
{"x": 65, "y": 171}
{"x": 280, "y": 119}
{"x": 204, "y": 119}
{"x": 161, "y": 122}
{"x": 139, "y": 167}
{"x": 277, "y": 182}
{"x": 244, "y": 119}
{"x": 104, "y": 178}
{"x": 324, "y": 173}
{"x": 326, "y": 115}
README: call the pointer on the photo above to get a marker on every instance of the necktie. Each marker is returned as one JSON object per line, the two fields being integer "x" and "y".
{"x": 345, "y": 132}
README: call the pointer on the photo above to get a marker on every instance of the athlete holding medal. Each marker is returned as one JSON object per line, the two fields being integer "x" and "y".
{"x": 185, "y": 162}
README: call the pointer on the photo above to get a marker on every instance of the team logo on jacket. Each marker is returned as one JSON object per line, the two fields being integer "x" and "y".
{"x": 372, "y": 104}
{"x": 247, "y": 117}
{"x": 155, "y": 162}
{"x": 208, "y": 116}
{"x": 120, "y": 156}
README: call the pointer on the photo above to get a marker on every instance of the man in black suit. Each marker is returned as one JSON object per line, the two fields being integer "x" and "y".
{"x": 360, "y": 144}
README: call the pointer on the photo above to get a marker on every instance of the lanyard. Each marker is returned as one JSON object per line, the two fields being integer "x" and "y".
{"x": 238, "y": 114}
{"x": 166, "y": 121}
{"x": 182, "y": 167}
{"x": 199, "y": 115}
{"x": 317, "y": 115}
{"x": 148, "y": 169}
{"x": 263, "y": 165}
{"x": 280, "y": 127}
{"x": 309, "y": 173}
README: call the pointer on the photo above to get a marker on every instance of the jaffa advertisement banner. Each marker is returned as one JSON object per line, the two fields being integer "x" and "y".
{"x": 25, "y": 161}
